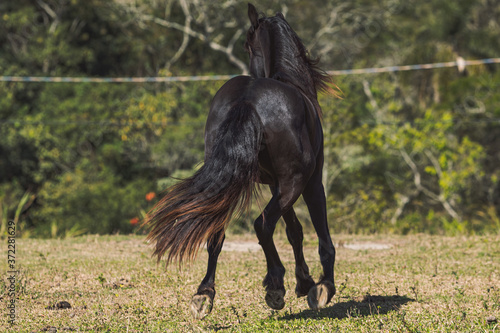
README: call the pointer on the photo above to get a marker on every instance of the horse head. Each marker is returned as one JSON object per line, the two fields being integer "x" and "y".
{"x": 260, "y": 42}
{"x": 258, "y": 45}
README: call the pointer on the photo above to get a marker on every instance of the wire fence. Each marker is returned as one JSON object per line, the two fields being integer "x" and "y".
{"x": 137, "y": 123}
{"x": 459, "y": 63}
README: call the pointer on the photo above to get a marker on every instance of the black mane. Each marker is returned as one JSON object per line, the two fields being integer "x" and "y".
{"x": 292, "y": 63}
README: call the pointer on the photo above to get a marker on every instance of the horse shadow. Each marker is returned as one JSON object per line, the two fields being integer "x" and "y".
{"x": 368, "y": 305}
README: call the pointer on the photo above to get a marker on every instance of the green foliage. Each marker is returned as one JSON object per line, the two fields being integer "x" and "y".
{"x": 405, "y": 152}
{"x": 96, "y": 203}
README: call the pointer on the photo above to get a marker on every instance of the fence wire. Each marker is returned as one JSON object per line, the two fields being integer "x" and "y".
{"x": 459, "y": 63}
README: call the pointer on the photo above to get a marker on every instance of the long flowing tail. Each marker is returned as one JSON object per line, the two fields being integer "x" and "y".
{"x": 200, "y": 207}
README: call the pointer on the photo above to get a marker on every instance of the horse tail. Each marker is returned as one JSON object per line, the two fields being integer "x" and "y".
{"x": 200, "y": 207}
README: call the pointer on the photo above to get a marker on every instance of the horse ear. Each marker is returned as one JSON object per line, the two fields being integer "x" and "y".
{"x": 253, "y": 15}
{"x": 279, "y": 14}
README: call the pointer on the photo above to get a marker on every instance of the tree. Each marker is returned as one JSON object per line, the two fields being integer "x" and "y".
{"x": 410, "y": 151}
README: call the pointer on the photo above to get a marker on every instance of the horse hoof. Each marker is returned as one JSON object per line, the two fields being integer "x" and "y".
{"x": 201, "y": 306}
{"x": 275, "y": 299}
{"x": 320, "y": 295}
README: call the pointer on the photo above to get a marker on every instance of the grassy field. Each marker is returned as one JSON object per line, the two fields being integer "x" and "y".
{"x": 384, "y": 283}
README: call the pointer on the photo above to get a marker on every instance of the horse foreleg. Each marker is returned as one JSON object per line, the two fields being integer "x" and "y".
{"x": 202, "y": 302}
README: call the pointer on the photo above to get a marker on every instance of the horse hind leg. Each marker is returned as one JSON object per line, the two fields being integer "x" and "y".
{"x": 202, "y": 302}
{"x": 314, "y": 196}
{"x": 295, "y": 236}
{"x": 273, "y": 282}
{"x": 282, "y": 200}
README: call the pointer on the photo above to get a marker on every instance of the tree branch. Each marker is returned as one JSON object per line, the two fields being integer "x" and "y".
{"x": 441, "y": 196}
{"x": 185, "y": 38}
{"x": 417, "y": 178}
{"x": 368, "y": 93}
{"x": 51, "y": 13}
{"x": 405, "y": 199}
{"x": 47, "y": 9}
{"x": 188, "y": 31}
{"x": 328, "y": 28}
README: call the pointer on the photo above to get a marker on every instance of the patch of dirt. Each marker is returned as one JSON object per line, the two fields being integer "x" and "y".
{"x": 122, "y": 283}
{"x": 367, "y": 246}
{"x": 241, "y": 247}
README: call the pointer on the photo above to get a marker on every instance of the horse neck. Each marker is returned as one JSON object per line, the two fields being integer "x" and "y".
{"x": 294, "y": 75}
{"x": 304, "y": 84}
{"x": 284, "y": 65}
{"x": 293, "y": 72}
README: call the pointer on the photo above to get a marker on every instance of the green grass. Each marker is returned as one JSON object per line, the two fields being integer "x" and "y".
{"x": 421, "y": 284}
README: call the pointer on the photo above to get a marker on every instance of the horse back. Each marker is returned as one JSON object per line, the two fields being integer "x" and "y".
{"x": 291, "y": 126}
{"x": 279, "y": 106}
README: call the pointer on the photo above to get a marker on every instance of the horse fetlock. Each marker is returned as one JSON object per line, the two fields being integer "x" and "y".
{"x": 304, "y": 285}
{"x": 201, "y": 306}
{"x": 274, "y": 279}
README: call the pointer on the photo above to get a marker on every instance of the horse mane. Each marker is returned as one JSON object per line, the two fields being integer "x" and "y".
{"x": 292, "y": 63}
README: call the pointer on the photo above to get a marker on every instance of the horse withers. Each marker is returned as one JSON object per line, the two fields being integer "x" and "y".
{"x": 261, "y": 129}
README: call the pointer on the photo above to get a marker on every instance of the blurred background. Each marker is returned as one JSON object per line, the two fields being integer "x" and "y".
{"x": 406, "y": 151}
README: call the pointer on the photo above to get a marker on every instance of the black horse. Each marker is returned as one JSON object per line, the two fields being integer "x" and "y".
{"x": 264, "y": 128}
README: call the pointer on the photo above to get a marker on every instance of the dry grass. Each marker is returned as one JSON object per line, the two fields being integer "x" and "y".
{"x": 421, "y": 283}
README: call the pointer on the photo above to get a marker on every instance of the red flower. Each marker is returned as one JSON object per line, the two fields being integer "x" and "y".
{"x": 150, "y": 196}
{"x": 134, "y": 221}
